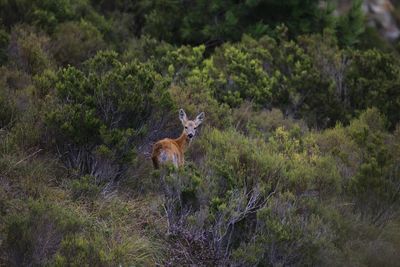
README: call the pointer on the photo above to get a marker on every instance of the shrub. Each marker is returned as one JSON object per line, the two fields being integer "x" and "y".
{"x": 45, "y": 14}
{"x": 374, "y": 184}
{"x": 85, "y": 186}
{"x": 7, "y": 109}
{"x": 285, "y": 236}
{"x": 262, "y": 123}
{"x": 4, "y": 39}
{"x": 75, "y": 42}
{"x": 237, "y": 74}
{"x": 147, "y": 49}
{"x": 372, "y": 81}
{"x": 34, "y": 236}
{"x": 29, "y": 50}
{"x": 97, "y": 113}
{"x": 247, "y": 198}
{"x": 75, "y": 250}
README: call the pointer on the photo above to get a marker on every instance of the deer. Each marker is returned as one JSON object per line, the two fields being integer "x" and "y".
{"x": 167, "y": 151}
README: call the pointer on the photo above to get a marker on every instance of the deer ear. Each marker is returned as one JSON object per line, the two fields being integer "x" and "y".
{"x": 182, "y": 116}
{"x": 199, "y": 118}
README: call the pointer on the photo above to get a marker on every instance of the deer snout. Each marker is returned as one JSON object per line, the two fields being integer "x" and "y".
{"x": 190, "y": 135}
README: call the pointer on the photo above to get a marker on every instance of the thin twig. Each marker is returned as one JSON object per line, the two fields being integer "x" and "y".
{"x": 26, "y": 158}
{"x": 22, "y": 160}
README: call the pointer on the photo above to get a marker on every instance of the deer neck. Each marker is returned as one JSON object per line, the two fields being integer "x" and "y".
{"x": 182, "y": 141}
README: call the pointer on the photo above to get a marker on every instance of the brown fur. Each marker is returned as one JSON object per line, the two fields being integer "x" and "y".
{"x": 172, "y": 150}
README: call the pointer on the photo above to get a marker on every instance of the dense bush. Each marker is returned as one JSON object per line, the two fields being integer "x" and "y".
{"x": 4, "y": 39}
{"x": 75, "y": 42}
{"x": 372, "y": 80}
{"x": 7, "y": 109}
{"x": 96, "y": 114}
{"x": 245, "y": 186}
{"x": 34, "y": 236}
{"x": 29, "y": 50}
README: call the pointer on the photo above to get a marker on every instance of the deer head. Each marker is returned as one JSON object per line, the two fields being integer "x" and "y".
{"x": 189, "y": 125}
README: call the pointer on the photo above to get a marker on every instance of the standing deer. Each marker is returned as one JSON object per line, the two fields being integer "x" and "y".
{"x": 171, "y": 150}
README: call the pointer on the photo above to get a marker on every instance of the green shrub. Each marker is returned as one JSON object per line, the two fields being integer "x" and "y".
{"x": 97, "y": 113}
{"x": 285, "y": 235}
{"x": 77, "y": 250}
{"x": 147, "y": 49}
{"x": 262, "y": 123}
{"x": 8, "y": 110}
{"x": 372, "y": 81}
{"x": 29, "y": 50}
{"x": 366, "y": 162}
{"x": 236, "y": 73}
{"x": 44, "y": 84}
{"x": 34, "y": 235}
{"x": 237, "y": 183}
{"x": 75, "y": 42}
{"x": 85, "y": 186}
{"x": 45, "y": 15}
{"x": 351, "y": 26}
{"x": 4, "y": 39}
{"x": 216, "y": 22}
{"x": 374, "y": 184}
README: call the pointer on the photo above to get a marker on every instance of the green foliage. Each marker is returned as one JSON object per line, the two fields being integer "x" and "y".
{"x": 218, "y": 21}
{"x": 59, "y": 234}
{"x": 33, "y": 236}
{"x": 4, "y": 39}
{"x": 85, "y": 187}
{"x": 238, "y": 161}
{"x": 29, "y": 50}
{"x": 75, "y": 42}
{"x": 103, "y": 109}
{"x": 239, "y": 172}
{"x": 237, "y": 74}
{"x": 263, "y": 123}
{"x": 351, "y": 25}
{"x": 43, "y": 14}
{"x": 7, "y": 109}
{"x": 372, "y": 79}
{"x": 373, "y": 183}
{"x": 77, "y": 249}
{"x": 284, "y": 235}
{"x": 158, "y": 20}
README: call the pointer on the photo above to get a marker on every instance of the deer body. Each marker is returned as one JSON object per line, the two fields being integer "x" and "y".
{"x": 172, "y": 150}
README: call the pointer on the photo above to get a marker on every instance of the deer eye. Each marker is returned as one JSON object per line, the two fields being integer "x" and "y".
{"x": 185, "y": 127}
{"x": 195, "y": 128}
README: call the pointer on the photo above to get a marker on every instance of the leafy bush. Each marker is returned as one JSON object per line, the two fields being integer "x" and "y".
{"x": 43, "y": 14}
{"x": 237, "y": 74}
{"x": 218, "y": 21}
{"x": 372, "y": 80}
{"x": 7, "y": 109}
{"x": 247, "y": 198}
{"x": 75, "y": 42}
{"x": 97, "y": 113}
{"x": 284, "y": 235}
{"x": 86, "y": 186}
{"x": 263, "y": 123}
{"x": 375, "y": 183}
{"x": 4, "y": 39}
{"x": 34, "y": 236}
{"x": 29, "y": 50}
